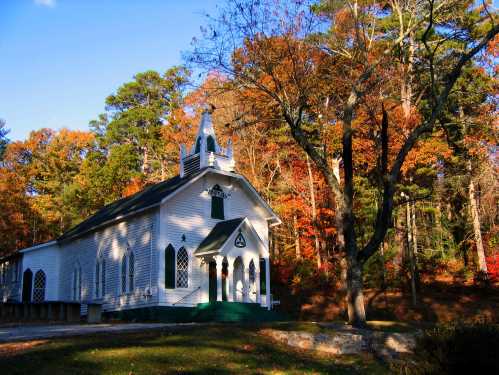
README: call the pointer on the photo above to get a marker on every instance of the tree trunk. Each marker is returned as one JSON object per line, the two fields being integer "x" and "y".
{"x": 145, "y": 160}
{"x": 482, "y": 264}
{"x": 410, "y": 248}
{"x": 314, "y": 213}
{"x": 355, "y": 295}
{"x": 297, "y": 236}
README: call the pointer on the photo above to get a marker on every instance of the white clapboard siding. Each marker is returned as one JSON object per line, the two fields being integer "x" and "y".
{"x": 112, "y": 242}
{"x": 47, "y": 259}
{"x": 188, "y": 214}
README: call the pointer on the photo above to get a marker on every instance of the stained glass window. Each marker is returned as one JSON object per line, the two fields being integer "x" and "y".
{"x": 123, "y": 274}
{"x": 131, "y": 272}
{"x": 182, "y": 268}
{"x": 39, "y": 287}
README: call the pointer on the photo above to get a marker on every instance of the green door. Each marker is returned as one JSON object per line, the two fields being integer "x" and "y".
{"x": 213, "y": 281}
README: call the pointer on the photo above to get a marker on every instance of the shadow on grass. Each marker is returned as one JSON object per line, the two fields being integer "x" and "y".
{"x": 217, "y": 349}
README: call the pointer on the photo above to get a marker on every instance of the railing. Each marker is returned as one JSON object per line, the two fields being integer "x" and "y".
{"x": 187, "y": 295}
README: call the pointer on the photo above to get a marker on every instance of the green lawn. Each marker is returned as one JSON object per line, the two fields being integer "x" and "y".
{"x": 216, "y": 349}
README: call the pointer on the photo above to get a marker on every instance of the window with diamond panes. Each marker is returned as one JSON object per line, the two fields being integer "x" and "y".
{"x": 97, "y": 279}
{"x": 123, "y": 274}
{"x": 39, "y": 287}
{"x": 103, "y": 278}
{"x": 182, "y": 268}
{"x": 76, "y": 294}
{"x": 131, "y": 272}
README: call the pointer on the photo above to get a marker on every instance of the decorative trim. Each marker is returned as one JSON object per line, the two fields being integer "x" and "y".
{"x": 240, "y": 240}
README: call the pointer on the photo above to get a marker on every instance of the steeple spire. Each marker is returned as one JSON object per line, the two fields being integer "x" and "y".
{"x": 206, "y": 152}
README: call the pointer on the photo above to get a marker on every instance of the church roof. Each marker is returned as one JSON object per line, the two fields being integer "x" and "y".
{"x": 219, "y": 235}
{"x": 144, "y": 199}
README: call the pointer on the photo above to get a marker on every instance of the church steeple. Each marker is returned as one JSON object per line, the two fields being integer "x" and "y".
{"x": 206, "y": 152}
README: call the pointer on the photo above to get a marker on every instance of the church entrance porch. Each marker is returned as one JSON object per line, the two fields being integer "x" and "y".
{"x": 233, "y": 280}
{"x": 234, "y": 264}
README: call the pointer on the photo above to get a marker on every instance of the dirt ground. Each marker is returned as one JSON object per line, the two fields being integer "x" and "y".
{"x": 437, "y": 302}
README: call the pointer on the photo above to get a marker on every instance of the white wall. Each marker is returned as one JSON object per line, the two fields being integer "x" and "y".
{"x": 112, "y": 242}
{"x": 48, "y": 259}
{"x": 189, "y": 213}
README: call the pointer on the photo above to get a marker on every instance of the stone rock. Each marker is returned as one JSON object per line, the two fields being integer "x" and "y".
{"x": 386, "y": 345}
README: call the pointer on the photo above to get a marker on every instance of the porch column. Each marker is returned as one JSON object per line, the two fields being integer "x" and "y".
{"x": 205, "y": 284}
{"x": 267, "y": 282}
{"x": 219, "y": 260}
{"x": 246, "y": 288}
{"x": 230, "y": 280}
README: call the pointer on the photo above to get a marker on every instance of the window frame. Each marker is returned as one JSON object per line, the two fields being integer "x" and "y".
{"x": 100, "y": 277}
{"x": 170, "y": 269}
{"x": 217, "y": 212}
{"x": 182, "y": 273}
{"x": 36, "y": 289}
{"x": 127, "y": 273}
{"x": 76, "y": 283}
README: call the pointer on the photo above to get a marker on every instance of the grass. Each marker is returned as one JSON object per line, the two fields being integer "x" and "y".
{"x": 213, "y": 349}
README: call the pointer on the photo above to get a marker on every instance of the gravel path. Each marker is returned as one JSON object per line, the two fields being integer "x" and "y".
{"x": 30, "y": 332}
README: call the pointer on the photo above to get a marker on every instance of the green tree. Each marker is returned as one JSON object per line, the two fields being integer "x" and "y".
{"x": 135, "y": 116}
{"x": 4, "y": 141}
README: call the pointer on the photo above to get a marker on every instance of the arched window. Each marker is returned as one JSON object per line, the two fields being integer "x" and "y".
{"x": 39, "y": 286}
{"x": 123, "y": 273}
{"x": 198, "y": 146}
{"x": 210, "y": 144}
{"x": 128, "y": 272}
{"x": 131, "y": 272}
{"x": 97, "y": 278}
{"x": 100, "y": 277}
{"x": 27, "y": 285}
{"x": 170, "y": 267}
{"x": 76, "y": 283}
{"x": 182, "y": 268}
{"x": 252, "y": 272}
{"x": 217, "y": 202}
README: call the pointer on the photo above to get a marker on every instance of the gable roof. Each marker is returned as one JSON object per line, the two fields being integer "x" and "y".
{"x": 144, "y": 199}
{"x": 150, "y": 197}
{"x": 219, "y": 235}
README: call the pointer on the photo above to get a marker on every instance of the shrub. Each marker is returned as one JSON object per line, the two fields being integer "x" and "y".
{"x": 458, "y": 349}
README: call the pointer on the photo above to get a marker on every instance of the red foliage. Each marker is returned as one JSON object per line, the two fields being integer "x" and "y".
{"x": 493, "y": 266}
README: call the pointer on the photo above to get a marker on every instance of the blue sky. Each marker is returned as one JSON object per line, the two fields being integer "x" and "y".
{"x": 59, "y": 59}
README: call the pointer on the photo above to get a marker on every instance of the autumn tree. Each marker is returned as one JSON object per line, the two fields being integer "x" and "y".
{"x": 299, "y": 61}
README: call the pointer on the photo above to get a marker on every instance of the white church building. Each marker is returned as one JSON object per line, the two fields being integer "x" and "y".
{"x": 199, "y": 237}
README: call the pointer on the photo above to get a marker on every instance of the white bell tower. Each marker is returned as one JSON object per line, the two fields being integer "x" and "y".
{"x": 206, "y": 152}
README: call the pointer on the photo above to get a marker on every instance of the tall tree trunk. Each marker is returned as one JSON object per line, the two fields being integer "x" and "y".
{"x": 410, "y": 248}
{"x": 482, "y": 264}
{"x": 145, "y": 160}
{"x": 355, "y": 295}
{"x": 297, "y": 236}
{"x": 314, "y": 213}
{"x": 438, "y": 224}
{"x": 414, "y": 230}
